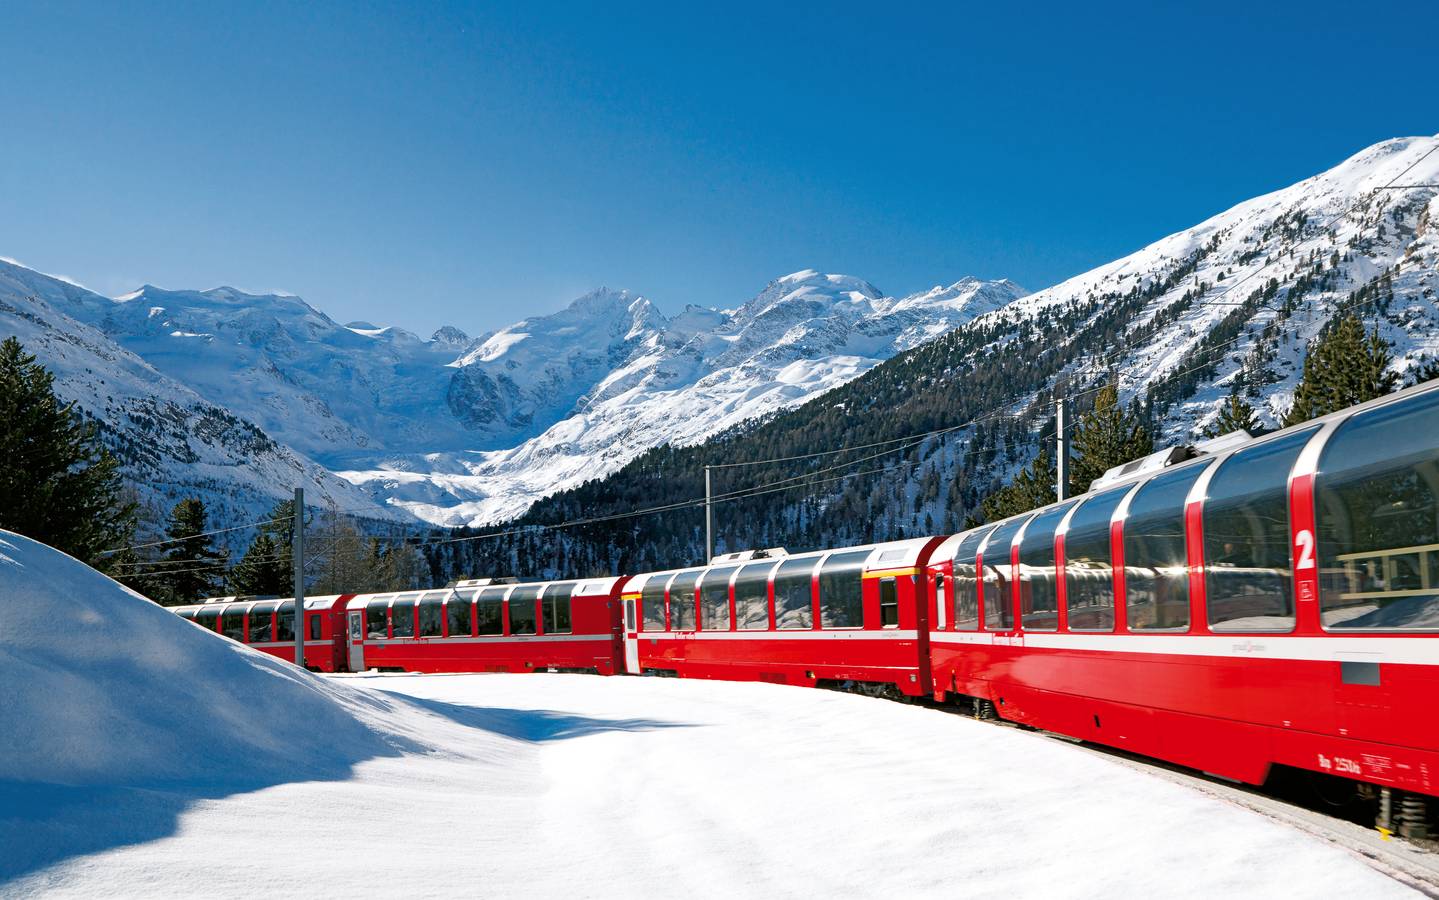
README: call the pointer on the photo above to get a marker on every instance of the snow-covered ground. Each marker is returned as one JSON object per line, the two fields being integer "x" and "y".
{"x": 143, "y": 757}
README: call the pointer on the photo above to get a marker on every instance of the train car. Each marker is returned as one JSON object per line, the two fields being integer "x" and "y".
{"x": 847, "y": 616}
{"x": 268, "y": 625}
{"x": 474, "y": 627}
{"x": 1267, "y": 603}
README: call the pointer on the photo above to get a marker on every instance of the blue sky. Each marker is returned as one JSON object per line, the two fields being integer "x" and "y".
{"x": 422, "y": 164}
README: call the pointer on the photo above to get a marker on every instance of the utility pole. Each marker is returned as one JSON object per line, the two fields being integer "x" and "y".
{"x": 709, "y": 519}
{"x": 1061, "y": 456}
{"x": 298, "y": 551}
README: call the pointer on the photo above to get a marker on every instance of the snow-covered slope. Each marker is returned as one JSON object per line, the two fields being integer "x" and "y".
{"x": 171, "y": 441}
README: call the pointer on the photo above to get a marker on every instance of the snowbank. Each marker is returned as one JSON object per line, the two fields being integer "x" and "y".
{"x": 100, "y": 686}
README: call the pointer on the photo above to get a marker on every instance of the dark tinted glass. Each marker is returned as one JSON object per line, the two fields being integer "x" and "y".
{"x": 207, "y": 618}
{"x": 432, "y": 612}
{"x": 841, "y": 590}
{"x": 402, "y": 617}
{"x": 1156, "y": 564}
{"x": 682, "y": 600}
{"x": 751, "y": 596}
{"x": 377, "y": 623}
{"x": 794, "y": 593}
{"x": 998, "y": 604}
{"x": 1089, "y": 563}
{"x": 888, "y": 602}
{"x": 522, "y": 610}
{"x": 285, "y": 624}
{"x": 556, "y": 606}
{"x": 316, "y": 627}
{"x": 457, "y": 612}
{"x": 1248, "y": 583}
{"x": 714, "y": 599}
{"x": 964, "y": 586}
{"x": 232, "y": 623}
{"x": 1377, "y": 509}
{"x": 1039, "y": 592}
{"x": 489, "y": 611}
{"x": 261, "y": 629}
{"x": 652, "y": 603}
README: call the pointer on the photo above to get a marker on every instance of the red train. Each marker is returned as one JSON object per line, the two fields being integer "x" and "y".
{"x": 1242, "y": 605}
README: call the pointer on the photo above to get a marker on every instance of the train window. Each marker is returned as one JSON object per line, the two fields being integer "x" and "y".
{"x": 232, "y": 623}
{"x": 998, "y": 604}
{"x": 1248, "y": 584}
{"x": 841, "y": 590}
{"x": 432, "y": 612}
{"x": 285, "y": 622}
{"x": 207, "y": 618}
{"x": 964, "y": 586}
{"x": 315, "y": 627}
{"x": 188, "y": 614}
{"x": 682, "y": 601}
{"x": 402, "y": 616}
{"x": 556, "y": 606}
{"x": 490, "y": 611}
{"x": 714, "y": 599}
{"x": 1089, "y": 563}
{"x": 1377, "y": 511}
{"x": 458, "y": 614}
{"x": 888, "y": 602}
{"x": 1156, "y": 563}
{"x": 652, "y": 603}
{"x": 522, "y": 609}
{"x": 261, "y": 626}
{"x": 1038, "y": 575}
{"x": 794, "y": 593}
{"x": 377, "y": 624}
{"x": 751, "y": 596}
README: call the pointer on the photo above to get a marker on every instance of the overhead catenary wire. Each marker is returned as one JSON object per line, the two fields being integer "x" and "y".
{"x": 188, "y": 537}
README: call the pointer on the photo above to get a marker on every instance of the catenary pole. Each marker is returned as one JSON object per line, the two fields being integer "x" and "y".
{"x": 298, "y": 547}
{"x": 709, "y": 518}
{"x": 1061, "y": 455}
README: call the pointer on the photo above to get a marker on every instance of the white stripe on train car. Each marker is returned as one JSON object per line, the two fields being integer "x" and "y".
{"x": 855, "y": 634}
{"x": 1405, "y": 650}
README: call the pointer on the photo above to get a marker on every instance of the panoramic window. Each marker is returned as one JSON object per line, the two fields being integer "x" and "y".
{"x": 285, "y": 622}
{"x": 888, "y": 602}
{"x": 432, "y": 614}
{"x": 522, "y": 609}
{"x": 682, "y": 600}
{"x": 490, "y": 611}
{"x": 232, "y": 623}
{"x": 794, "y": 593}
{"x": 377, "y": 623}
{"x": 714, "y": 599}
{"x": 207, "y": 618}
{"x": 1377, "y": 511}
{"x": 457, "y": 615}
{"x": 316, "y": 627}
{"x": 652, "y": 603}
{"x": 1156, "y": 562}
{"x": 1089, "y": 563}
{"x": 964, "y": 586}
{"x": 402, "y": 616}
{"x": 1039, "y": 579}
{"x": 998, "y": 604}
{"x": 841, "y": 590}
{"x": 1248, "y": 583}
{"x": 751, "y": 596}
{"x": 261, "y": 624}
{"x": 556, "y": 606}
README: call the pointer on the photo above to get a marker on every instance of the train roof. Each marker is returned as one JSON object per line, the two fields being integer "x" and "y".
{"x": 903, "y": 554}
{"x": 227, "y": 604}
{"x": 584, "y": 587}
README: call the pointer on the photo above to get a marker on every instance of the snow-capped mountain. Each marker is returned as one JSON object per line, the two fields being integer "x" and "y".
{"x": 171, "y": 441}
{"x": 461, "y": 431}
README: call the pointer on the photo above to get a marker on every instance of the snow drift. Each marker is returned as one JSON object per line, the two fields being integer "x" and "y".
{"x": 100, "y": 686}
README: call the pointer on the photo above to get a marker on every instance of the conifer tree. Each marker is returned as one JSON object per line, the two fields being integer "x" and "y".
{"x": 1106, "y": 436}
{"x": 192, "y": 566}
{"x": 260, "y": 570}
{"x": 1235, "y": 415}
{"x": 1033, "y": 487}
{"x": 1344, "y": 367}
{"x": 57, "y": 484}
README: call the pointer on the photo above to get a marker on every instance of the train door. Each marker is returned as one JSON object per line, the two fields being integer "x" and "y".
{"x": 357, "y": 637}
{"x": 632, "y": 638}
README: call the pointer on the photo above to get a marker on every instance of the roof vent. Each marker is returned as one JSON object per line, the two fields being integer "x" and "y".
{"x": 748, "y": 555}
{"x": 1142, "y": 466}
{"x": 483, "y": 582}
{"x": 1223, "y": 443}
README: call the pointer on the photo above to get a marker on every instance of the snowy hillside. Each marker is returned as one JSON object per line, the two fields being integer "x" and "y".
{"x": 171, "y": 441}
{"x": 459, "y": 431}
